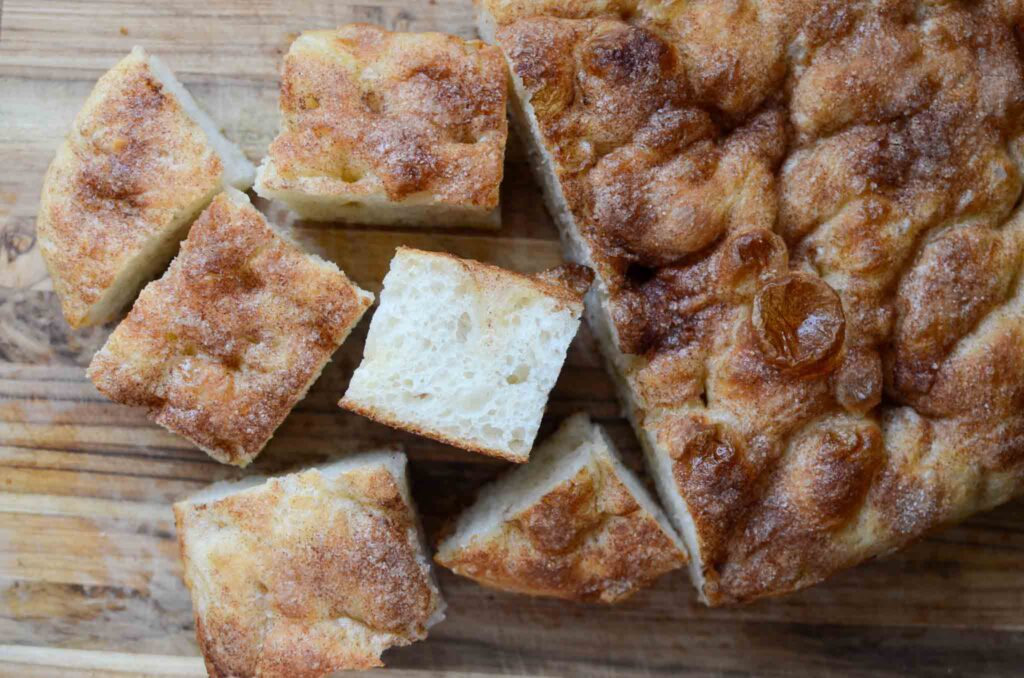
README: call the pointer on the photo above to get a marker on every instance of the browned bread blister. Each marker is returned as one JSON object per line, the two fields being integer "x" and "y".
{"x": 805, "y": 220}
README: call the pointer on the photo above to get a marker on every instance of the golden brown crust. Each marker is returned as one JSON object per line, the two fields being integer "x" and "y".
{"x": 586, "y": 539}
{"x": 387, "y": 419}
{"x": 231, "y": 337}
{"x": 368, "y": 112}
{"x": 568, "y": 282}
{"x": 133, "y": 165}
{"x": 805, "y": 220}
{"x": 305, "y": 575}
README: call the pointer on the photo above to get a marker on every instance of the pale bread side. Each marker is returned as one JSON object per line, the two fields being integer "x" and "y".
{"x": 466, "y": 353}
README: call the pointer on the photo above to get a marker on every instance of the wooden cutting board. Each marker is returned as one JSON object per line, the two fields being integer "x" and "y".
{"x": 89, "y": 575}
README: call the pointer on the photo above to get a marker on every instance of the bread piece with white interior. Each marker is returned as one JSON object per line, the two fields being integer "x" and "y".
{"x": 467, "y": 353}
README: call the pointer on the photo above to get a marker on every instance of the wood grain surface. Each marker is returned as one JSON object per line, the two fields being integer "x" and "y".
{"x": 89, "y": 576}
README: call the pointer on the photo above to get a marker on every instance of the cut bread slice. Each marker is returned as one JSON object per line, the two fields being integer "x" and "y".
{"x": 573, "y": 523}
{"x": 389, "y": 128}
{"x": 222, "y": 347}
{"x": 467, "y": 353}
{"x": 310, "y": 573}
{"x": 141, "y": 161}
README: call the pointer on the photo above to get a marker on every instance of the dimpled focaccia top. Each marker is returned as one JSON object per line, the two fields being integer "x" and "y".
{"x": 222, "y": 347}
{"x": 805, "y": 220}
{"x": 133, "y": 169}
{"x": 369, "y": 112}
{"x": 307, "y": 574}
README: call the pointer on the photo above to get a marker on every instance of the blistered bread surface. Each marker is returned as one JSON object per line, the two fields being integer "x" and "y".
{"x": 230, "y": 338}
{"x": 407, "y": 116}
{"x": 306, "y": 575}
{"x": 805, "y": 220}
{"x": 133, "y": 164}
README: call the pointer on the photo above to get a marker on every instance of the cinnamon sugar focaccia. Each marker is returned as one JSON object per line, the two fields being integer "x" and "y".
{"x": 805, "y": 220}
{"x": 389, "y": 128}
{"x": 142, "y": 159}
{"x": 310, "y": 573}
{"x": 223, "y": 346}
{"x": 573, "y": 523}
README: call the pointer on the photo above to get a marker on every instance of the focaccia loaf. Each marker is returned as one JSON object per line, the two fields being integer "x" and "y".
{"x": 804, "y": 218}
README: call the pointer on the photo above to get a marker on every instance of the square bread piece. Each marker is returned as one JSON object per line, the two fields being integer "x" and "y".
{"x": 310, "y": 573}
{"x": 141, "y": 161}
{"x": 574, "y": 523}
{"x": 466, "y": 353}
{"x": 390, "y": 128}
{"x": 233, "y": 335}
